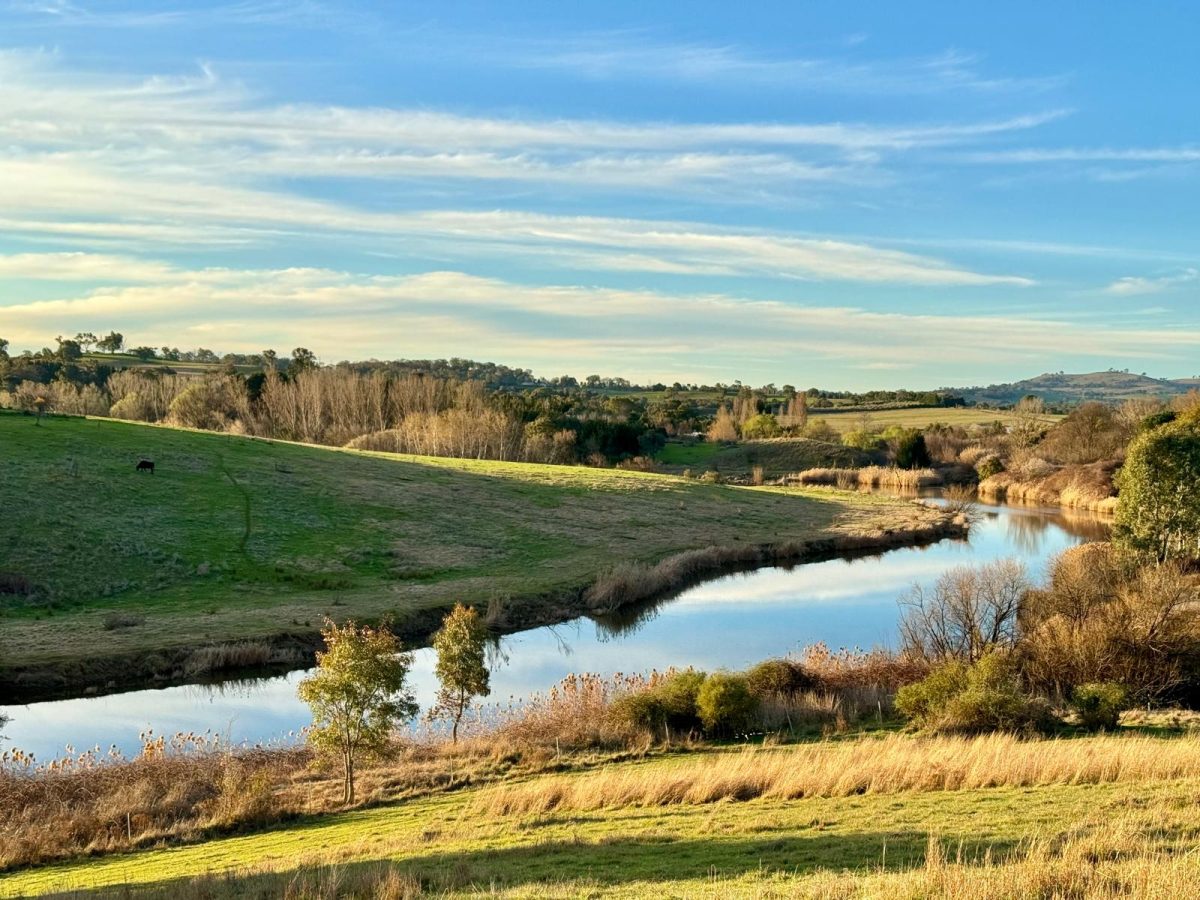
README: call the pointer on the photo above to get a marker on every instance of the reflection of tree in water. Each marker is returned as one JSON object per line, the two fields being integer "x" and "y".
{"x": 627, "y": 620}
{"x": 1027, "y": 532}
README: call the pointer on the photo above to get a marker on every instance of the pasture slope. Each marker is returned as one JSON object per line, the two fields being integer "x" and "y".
{"x": 114, "y": 577}
{"x": 891, "y": 817}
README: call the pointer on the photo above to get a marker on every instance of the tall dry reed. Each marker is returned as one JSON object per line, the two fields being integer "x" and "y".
{"x": 844, "y": 768}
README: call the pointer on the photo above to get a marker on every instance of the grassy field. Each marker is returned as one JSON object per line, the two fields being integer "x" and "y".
{"x": 777, "y": 457}
{"x": 1119, "y": 821}
{"x": 238, "y": 538}
{"x": 919, "y": 417}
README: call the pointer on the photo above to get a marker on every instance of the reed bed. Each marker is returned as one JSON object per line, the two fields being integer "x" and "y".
{"x": 1087, "y": 487}
{"x": 893, "y": 764}
{"x": 870, "y": 477}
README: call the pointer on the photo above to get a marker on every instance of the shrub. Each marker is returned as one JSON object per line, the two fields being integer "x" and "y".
{"x": 679, "y": 695}
{"x": 764, "y": 425}
{"x": 907, "y": 446}
{"x": 923, "y": 702}
{"x": 984, "y": 697}
{"x": 863, "y": 439}
{"x": 1099, "y": 705}
{"x": 989, "y": 466}
{"x": 778, "y": 678}
{"x": 639, "y": 711}
{"x": 666, "y": 703}
{"x": 820, "y": 430}
{"x": 725, "y": 704}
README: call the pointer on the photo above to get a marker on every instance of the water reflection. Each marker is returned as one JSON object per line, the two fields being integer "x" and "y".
{"x": 730, "y": 622}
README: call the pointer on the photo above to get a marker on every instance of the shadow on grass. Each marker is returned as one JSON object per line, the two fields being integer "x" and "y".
{"x": 608, "y": 862}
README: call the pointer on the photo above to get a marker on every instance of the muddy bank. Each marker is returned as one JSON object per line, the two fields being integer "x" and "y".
{"x": 626, "y": 585}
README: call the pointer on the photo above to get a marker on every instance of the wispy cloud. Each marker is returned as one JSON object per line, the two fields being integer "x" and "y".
{"x": 560, "y": 327}
{"x": 192, "y": 160}
{"x": 1133, "y": 285}
{"x": 1181, "y": 154}
{"x": 63, "y": 13}
{"x": 636, "y": 55}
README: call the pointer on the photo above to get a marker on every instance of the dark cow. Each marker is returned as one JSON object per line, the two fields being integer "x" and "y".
{"x": 145, "y": 465}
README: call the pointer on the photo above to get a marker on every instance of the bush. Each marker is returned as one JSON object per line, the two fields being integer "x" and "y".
{"x": 725, "y": 704}
{"x": 764, "y": 425}
{"x": 863, "y": 439}
{"x": 923, "y": 702}
{"x": 989, "y": 466}
{"x": 669, "y": 703}
{"x": 679, "y": 695}
{"x": 982, "y": 698}
{"x": 1099, "y": 705}
{"x": 778, "y": 678}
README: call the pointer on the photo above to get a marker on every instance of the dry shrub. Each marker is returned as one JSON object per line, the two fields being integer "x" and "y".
{"x": 850, "y": 767}
{"x": 574, "y": 714}
{"x": 241, "y": 655}
{"x": 186, "y": 787}
{"x": 1102, "y": 619}
{"x": 1087, "y": 487}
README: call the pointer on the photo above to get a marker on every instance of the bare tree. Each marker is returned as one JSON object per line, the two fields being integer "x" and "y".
{"x": 967, "y": 613}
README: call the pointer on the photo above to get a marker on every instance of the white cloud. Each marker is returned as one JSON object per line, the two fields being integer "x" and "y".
{"x": 560, "y": 327}
{"x": 626, "y": 55}
{"x": 1133, "y": 284}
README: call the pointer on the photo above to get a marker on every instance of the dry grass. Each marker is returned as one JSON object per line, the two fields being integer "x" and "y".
{"x": 180, "y": 789}
{"x": 870, "y": 476}
{"x": 865, "y": 766}
{"x": 241, "y": 655}
{"x": 1085, "y": 487}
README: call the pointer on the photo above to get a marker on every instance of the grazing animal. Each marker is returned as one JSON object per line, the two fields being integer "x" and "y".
{"x": 145, "y": 465}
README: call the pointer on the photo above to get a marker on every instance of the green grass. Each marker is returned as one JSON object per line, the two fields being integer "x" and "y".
{"x": 237, "y": 538}
{"x": 777, "y": 457}
{"x": 679, "y": 850}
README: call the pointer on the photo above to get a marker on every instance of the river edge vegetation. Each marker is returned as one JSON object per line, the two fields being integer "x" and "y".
{"x": 233, "y": 552}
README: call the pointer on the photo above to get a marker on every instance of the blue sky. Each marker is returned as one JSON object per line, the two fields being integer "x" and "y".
{"x": 845, "y": 195}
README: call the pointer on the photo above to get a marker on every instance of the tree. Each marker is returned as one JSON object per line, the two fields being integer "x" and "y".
{"x": 86, "y": 339}
{"x": 723, "y": 428}
{"x": 1159, "y": 512}
{"x": 968, "y": 613}
{"x": 270, "y": 360}
{"x": 764, "y": 425}
{"x": 145, "y": 354}
{"x": 461, "y": 647}
{"x": 68, "y": 350}
{"x": 303, "y": 360}
{"x": 111, "y": 342}
{"x": 357, "y": 694}
{"x": 3, "y": 348}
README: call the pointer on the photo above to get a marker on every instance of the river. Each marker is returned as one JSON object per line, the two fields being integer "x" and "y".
{"x": 729, "y": 622}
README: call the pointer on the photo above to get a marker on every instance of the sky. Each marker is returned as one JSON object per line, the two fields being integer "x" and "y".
{"x": 832, "y": 194}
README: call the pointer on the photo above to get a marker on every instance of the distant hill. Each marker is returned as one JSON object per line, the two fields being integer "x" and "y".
{"x": 1108, "y": 387}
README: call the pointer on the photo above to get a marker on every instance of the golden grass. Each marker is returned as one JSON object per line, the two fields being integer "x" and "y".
{"x": 1088, "y": 487}
{"x": 870, "y": 476}
{"x": 865, "y": 766}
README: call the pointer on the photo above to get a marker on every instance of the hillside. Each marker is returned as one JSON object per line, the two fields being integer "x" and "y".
{"x": 1107, "y": 387}
{"x": 116, "y": 577}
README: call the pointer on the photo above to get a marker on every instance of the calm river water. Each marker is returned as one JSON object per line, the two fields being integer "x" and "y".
{"x": 727, "y": 623}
